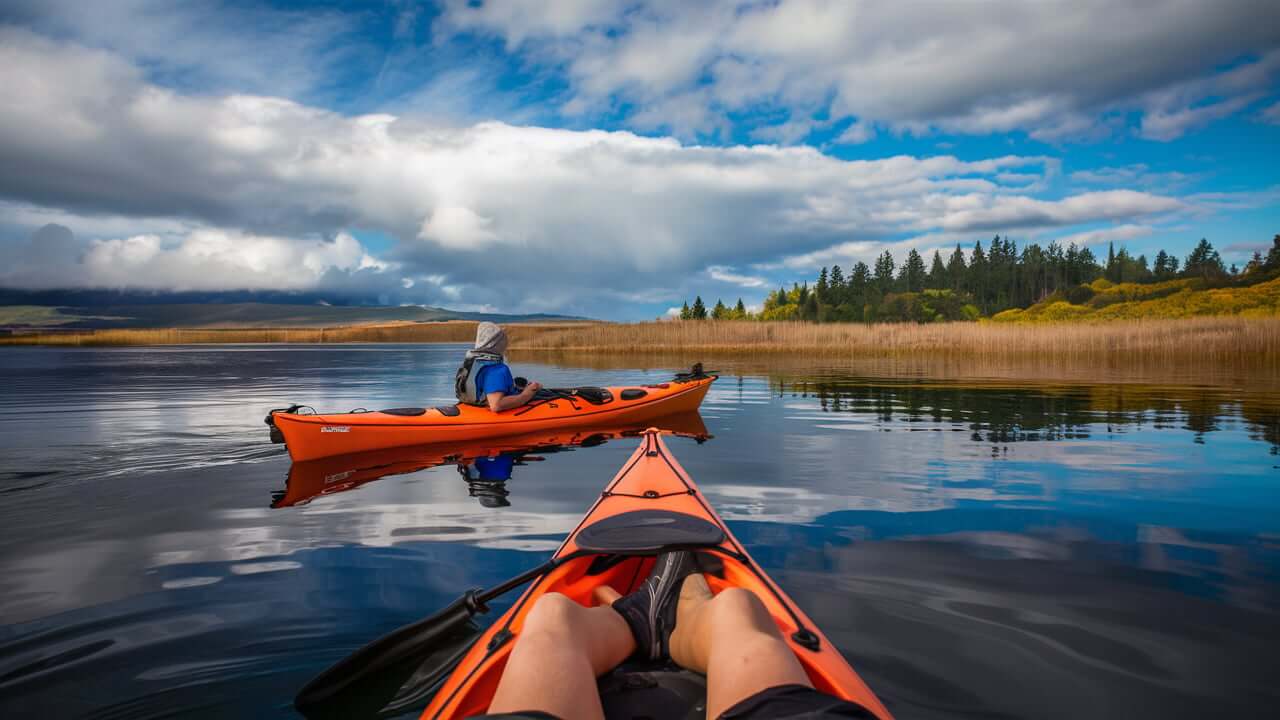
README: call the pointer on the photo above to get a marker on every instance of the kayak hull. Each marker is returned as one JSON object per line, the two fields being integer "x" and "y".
{"x": 652, "y": 481}
{"x": 310, "y": 479}
{"x": 309, "y": 437}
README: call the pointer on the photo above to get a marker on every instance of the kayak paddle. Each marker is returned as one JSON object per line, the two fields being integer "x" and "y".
{"x": 362, "y": 673}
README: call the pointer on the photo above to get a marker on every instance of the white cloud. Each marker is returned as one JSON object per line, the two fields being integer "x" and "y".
{"x": 1048, "y": 68}
{"x": 1136, "y": 175}
{"x": 218, "y": 45}
{"x": 1271, "y": 114}
{"x": 856, "y": 134}
{"x": 726, "y": 275}
{"x": 218, "y": 260}
{"x": 572, "y": 220}
{"x": 458, "y": 228}
{"x": 1172, "y": 111}
{"x": 1106, "y": 235}
{"x": 1163, "y": 124}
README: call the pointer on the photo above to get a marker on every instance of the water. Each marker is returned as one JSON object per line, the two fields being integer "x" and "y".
{"x": 993, "y": 549}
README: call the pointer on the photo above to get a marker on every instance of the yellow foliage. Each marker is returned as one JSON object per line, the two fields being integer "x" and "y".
{"x": 1170, "y": 299}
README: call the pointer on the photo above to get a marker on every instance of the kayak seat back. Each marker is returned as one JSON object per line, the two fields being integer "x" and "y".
{"x": 405, "y": 411}
{"x": 648, "y": 532}
{"x": 644, "y": 689}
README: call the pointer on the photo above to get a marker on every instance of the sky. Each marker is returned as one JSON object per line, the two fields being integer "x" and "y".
{"x": 613, "y": 159}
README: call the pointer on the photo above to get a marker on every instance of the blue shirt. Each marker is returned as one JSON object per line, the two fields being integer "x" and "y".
{"x": 495, "y": 378}
{"x": 495, "y": 468}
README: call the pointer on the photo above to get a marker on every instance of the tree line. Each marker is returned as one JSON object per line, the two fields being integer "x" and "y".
{"x": 984, "y": 281}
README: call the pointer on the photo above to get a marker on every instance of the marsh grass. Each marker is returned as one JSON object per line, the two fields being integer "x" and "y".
{"x": 1203, "y": 339}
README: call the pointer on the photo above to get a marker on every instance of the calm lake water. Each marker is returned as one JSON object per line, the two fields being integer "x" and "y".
{"x": 995, "y": 549}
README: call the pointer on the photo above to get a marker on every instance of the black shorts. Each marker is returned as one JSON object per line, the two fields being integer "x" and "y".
{"x": 795, "y": 702}
{"x": 786, "y": 702}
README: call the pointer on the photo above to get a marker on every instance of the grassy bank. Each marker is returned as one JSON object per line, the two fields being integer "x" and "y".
{"x": 1207, "y": 338}
{"x": 1219, "y": 338}
{"x": 1175, "y": 299}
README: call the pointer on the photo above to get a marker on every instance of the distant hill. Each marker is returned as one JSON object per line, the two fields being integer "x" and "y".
{"x": 1103, "y": 300}
{"x": 85, "y": 309}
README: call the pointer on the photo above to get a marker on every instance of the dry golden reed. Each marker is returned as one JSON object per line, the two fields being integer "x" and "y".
{"x": 1216, "y": 338}
{"x": 1208, "y": 338}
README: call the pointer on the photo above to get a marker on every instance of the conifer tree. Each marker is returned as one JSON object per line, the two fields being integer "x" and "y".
{"x": 740, "y": 310}
{"x": 685, "y": 312}
{"x": 956, "y": 269}
{"x": 937, "y": 273}
{"x": 699, "y": 310}
{"x": 884, "y": 272}
{"x": 859, "y": 283}
{"x": 912, "y": 276}
{"x": 977, "y": 275}
{"x": 809, "y": 308}
{"x": 821, "y": 288}
{"x": 838, "y": 292}
{"x": 1273, "y": 255}
{"x": 719, "y": 312}
{"x": 1204, "y": 262}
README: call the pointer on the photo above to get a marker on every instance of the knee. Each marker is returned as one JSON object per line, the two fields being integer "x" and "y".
{"x": 552, "y": 613}
{"x": 742, "y": 608}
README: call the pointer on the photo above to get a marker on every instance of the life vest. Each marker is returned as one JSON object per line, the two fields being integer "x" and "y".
{"x": 464, "y": 383}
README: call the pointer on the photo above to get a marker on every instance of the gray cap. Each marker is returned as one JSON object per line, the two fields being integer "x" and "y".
{"x": 491, "y": 338}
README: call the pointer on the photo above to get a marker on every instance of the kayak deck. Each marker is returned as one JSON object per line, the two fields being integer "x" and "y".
{"x": 650, "y": 507}
{"x": 312, "y": 436}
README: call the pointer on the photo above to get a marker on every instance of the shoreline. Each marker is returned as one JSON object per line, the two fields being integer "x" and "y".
{"x": 1208, "y": 338}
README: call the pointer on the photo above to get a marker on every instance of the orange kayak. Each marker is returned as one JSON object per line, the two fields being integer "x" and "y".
{"x": 311, "y": 436}
{"x": 649, "y": 507}
{"x": 310, "y": 479}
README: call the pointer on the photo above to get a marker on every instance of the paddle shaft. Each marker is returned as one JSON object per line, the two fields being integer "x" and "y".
{"x": 409, "y": 640}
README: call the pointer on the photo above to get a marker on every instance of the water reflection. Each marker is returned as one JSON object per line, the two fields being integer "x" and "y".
{"x": 1001, "y": 413}
{"x": 1014, "y": 540}
{"x": 484, "y": 465}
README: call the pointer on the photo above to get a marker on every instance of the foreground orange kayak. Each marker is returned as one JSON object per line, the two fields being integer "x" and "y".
{"x": 650, "y": 506}
{"x": 311, "y": 436}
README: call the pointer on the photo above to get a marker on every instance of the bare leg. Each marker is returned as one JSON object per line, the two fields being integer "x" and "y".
{"x": 557, "y": 657}
{"x": 733, "y": 641}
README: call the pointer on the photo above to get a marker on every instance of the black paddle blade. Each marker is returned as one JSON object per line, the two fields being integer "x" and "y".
{"x": 371, "y": 671}
{"x": 402, "y": 688}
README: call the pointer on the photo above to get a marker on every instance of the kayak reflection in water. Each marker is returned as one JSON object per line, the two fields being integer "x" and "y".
{"x": 487, "y": 477}
{"x": 486, "y": 465}
{"x": 729, "y": 637}
{"x": 485, "y": 380}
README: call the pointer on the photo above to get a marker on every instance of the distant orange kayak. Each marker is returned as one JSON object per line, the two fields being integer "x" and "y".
{"x": 310, "y": 479}
{"x": 650, "y": 506}
{"x": 312, "y": 436}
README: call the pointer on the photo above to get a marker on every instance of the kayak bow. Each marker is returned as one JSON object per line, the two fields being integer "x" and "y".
{"x": 650, "y": 507}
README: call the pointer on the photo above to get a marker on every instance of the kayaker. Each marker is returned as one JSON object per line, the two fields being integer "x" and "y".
{"x": 487, "y": 477}
{"x": 730, "y": 638}
{"x": 484, "y": 378}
